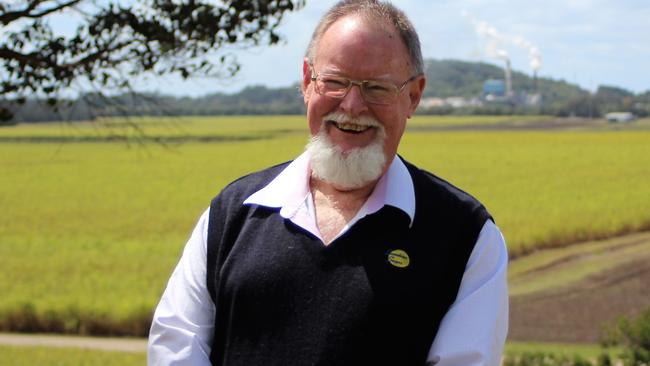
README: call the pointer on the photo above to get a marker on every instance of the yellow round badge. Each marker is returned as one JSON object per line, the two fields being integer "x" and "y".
{"x": 398, "y": 258}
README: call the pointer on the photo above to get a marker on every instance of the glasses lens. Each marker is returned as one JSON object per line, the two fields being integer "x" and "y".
{"x": 379, "y": 92}
{"x": 373, "y": 91}
{"x": 332, "y": 86}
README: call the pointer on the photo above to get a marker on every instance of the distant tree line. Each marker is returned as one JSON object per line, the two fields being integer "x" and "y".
{"x": 446, "y": 78}
{"x": 254, "y": 100}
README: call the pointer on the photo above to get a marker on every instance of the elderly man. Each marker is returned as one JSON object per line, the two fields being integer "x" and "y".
{"x": 348, "y": 255}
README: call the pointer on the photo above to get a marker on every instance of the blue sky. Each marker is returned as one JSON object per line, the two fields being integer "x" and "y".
{"x": 587, "y": 42}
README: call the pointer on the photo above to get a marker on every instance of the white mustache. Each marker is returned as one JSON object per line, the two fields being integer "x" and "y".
{"x": 344, "y": 118}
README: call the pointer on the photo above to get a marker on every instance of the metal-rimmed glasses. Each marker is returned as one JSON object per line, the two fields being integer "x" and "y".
{"x": 372, "y": 91}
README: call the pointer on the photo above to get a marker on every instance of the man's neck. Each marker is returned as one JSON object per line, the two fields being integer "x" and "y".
{"x": 336, "y": 207}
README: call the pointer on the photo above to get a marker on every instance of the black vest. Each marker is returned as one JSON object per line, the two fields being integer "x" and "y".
{"x": 284, "y": 298}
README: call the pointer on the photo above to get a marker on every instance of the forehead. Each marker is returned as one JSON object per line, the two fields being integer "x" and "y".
{"x": 363, "y": 48}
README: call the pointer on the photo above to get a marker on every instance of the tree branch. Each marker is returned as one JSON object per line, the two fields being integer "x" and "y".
{"x": 163, "y": 37}
{"x": 9, "y": 17}
{"x": 91, "y": 58}
{"x": 24, "y": 59}
{"x": 55, "y": 9}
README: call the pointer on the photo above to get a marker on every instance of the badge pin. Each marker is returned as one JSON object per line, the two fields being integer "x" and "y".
{"x": 398, "y": 258}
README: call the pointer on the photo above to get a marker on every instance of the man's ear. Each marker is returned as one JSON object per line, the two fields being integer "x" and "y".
{"x": 306, "y": 80}
{"x": 415, "y": 92}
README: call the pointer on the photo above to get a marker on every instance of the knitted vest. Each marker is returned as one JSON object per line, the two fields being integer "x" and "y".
{"x": 374, "y": 296}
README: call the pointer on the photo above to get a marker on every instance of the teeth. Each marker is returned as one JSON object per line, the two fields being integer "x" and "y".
{"x": 351, "y": 127}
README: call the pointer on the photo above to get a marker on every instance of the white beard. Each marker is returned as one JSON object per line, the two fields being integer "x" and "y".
{"x": 351, "y": 169}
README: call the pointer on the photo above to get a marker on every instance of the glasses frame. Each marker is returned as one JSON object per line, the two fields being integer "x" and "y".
{"x": 398, "y": 89}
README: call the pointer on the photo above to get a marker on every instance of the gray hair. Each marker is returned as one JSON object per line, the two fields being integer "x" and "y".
{"x": 374, "y": 9}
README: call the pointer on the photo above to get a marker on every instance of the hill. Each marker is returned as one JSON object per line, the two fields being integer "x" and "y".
{"x": 446, "y": 78}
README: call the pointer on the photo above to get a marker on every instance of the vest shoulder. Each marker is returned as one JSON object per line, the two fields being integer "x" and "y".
{"x": 431, "y": 188}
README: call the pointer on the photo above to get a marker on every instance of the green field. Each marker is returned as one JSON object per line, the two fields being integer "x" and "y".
{"x": 92, "y": 227}
{"x": 588, "y": 351}
{"x": 236, "y": 127}
{"x": 51, "y": 356}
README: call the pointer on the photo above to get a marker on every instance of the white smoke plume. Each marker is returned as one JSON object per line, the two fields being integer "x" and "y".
{"x": 534, "y": 55}
{"x": 496, "y": 41}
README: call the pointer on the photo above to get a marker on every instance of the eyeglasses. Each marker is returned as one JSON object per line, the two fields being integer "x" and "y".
{"x": 372, "y": 91}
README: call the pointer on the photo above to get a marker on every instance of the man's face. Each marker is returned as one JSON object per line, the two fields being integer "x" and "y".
{"x": 355, "y": 48}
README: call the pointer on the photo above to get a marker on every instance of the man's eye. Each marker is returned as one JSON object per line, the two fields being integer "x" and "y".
{"x": 333, "y": 83}
{"x": 378, "y": 87}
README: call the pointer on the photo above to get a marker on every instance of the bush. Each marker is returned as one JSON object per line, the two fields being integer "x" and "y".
{"x": 634, "y": 335}
{"x": 546, "y": 359}
{"x": 604, "y": 360}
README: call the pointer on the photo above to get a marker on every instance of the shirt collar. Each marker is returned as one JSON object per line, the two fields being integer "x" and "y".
{"x": 290, "y": 189}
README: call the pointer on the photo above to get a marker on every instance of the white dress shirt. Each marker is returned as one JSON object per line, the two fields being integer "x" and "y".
{"x": 472, "y": 333}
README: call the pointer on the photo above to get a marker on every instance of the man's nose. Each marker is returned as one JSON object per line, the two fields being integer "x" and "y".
{"x": 353, "y": 102}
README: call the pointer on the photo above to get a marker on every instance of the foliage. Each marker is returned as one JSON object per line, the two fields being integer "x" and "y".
{"x": 116, "y": 41}
{"x": 605, "y": 359}
{"x": 633, "y": 334}
{"x": 611, "y": 98}
{"x": 542, "y": 358}
{"x": 448, "y": 78}
{"x": 546, "y": 359}
{"x": 514, "y": 349}
{"x": 558, "y": 354}
{"x": 582, "y": 105}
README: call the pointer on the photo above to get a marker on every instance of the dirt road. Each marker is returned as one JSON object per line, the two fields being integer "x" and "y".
{"x": 593, "y": 288}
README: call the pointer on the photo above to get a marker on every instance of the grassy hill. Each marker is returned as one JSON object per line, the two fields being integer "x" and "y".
{"x": 447, "y": 78}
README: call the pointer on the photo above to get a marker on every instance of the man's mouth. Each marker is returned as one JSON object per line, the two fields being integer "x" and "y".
{"x": 351, "y": 127}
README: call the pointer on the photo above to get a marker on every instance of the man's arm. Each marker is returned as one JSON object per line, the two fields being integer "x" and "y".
{"x": 474, "y": 330}
{"x": 182, "y": 328}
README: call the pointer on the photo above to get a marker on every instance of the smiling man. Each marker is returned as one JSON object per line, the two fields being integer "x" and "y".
{"x": 348, "y": 255}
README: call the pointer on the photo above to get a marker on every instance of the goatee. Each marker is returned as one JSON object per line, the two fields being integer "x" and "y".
{"x": 350, "y": 169}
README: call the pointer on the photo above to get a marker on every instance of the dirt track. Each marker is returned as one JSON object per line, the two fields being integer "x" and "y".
{"x": 579, "y": 311}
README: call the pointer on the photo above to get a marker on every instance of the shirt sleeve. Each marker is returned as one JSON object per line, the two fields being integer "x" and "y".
{"x": 473, "y": 331}
{"x": 182, "y": 327}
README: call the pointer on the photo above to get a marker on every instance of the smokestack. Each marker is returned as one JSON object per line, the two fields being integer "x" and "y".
{"x": 508, "y": 73}
{"x": 503, "y": 55}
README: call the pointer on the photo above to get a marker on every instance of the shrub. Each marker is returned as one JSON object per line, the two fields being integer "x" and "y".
{"x": 546, "y": 359}
{"x": 634, "y": 336}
